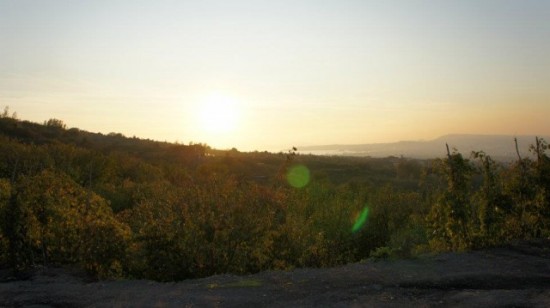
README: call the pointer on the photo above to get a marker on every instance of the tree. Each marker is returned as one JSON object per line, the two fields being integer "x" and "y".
{"x": 542, "y": 181}
{"x": 449, "y": 217}
{"x": 491, "y": 204}
{"x": 5, "y": 195}
{"x": 51, "y": 219}
{"x": 6, "y": 113}
{"x": 55, "y": 123}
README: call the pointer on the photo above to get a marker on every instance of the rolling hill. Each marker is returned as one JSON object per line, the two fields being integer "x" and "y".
{"x": 500, "y": 147}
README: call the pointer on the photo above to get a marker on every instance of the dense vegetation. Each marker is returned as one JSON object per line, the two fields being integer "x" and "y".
{"x": 126, "y": 207}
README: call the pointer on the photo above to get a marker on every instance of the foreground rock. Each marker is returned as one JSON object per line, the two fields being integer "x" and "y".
{"x": 514, "y": 276}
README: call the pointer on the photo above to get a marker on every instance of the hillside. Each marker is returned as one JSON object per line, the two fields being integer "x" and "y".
{"x": 59, "y": 184}
{"x": 256, "y": 166}
{"x": 127, "y": 208}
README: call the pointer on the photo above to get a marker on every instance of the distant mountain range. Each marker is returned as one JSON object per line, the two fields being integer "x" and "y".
{"x": 500, "y": 147}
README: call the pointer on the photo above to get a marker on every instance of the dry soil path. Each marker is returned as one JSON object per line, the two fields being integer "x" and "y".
{"x": 514, "y": 276}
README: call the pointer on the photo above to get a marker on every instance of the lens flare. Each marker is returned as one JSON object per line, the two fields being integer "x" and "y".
{"x": 361, "y": 220}
{"x": 298, "y": 176}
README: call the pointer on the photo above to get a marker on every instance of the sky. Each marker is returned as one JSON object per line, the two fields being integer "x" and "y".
{"x": 269, "y": 75}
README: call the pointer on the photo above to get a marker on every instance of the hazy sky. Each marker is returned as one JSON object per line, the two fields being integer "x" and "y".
{"x": 276, "y": 74}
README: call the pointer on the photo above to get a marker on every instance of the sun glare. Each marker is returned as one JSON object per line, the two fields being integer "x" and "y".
{"x": 218, "y": 114}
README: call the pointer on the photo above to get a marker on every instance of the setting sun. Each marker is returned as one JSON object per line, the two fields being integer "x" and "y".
{"x": 218, "y": 114}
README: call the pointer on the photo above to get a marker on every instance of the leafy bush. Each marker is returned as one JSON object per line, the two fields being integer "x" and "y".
{"x": 124, "y": 207}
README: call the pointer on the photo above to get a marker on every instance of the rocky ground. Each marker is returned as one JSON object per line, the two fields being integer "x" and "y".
{"x": 513, "y": 276}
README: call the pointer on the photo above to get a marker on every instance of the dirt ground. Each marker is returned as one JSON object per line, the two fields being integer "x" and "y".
{"x": 513, "y": 276}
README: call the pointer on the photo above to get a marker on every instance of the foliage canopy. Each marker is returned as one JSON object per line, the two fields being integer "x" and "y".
{"x": 126, "y": 207}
